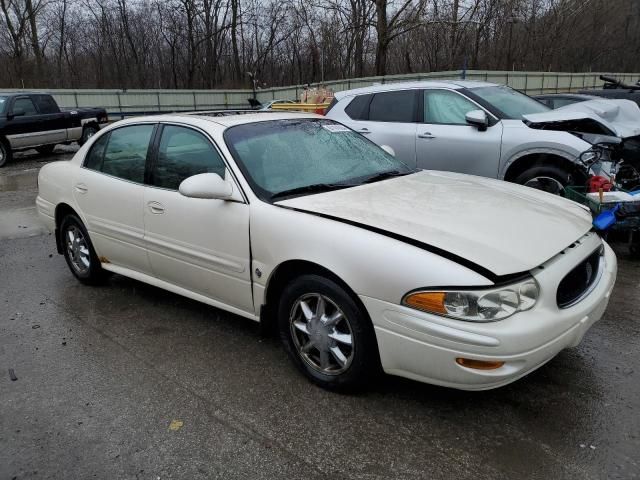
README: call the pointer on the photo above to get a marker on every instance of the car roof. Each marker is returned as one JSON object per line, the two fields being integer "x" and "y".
{"x": 389, "y": 87}
{"x": 222, "y": 118}
{"x": 565, "y": 95}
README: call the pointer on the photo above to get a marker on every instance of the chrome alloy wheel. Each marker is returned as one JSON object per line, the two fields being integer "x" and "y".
{"x": 77, "y": 249}
{"x": 546, "y": 184}
{"x": 322, "y": 334}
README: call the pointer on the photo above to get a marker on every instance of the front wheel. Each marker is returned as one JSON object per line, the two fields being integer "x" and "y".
{"x": 79, "y": 252}
{"x": 5, "y": 153}
{"x": 327, "y": 334}
{"x": 548, "y": 178}
{"x": 88, "y": 132}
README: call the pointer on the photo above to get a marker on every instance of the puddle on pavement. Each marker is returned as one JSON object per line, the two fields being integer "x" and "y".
{"x": 19, "y": 181}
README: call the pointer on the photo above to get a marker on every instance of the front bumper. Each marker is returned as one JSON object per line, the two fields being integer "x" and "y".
{"x": 424, "y": 347}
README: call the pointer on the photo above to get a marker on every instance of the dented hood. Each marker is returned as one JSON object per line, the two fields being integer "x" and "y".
{"x": 502, "y": 227}
{"x": 622, "y": 117}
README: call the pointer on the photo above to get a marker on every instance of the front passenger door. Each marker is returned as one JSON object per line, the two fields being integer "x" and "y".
{"x": 201, "y": 245}
{"x": 445, "y": 141}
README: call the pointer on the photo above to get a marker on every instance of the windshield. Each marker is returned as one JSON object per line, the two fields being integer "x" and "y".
{"x": 306, "y": 156}
{"x": 511, "y": 103}
{"x": 3, "y": 101}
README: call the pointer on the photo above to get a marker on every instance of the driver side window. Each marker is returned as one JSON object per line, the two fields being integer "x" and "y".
{"x": 25, "y": 105}
{"x": 183, "y": 153}
{"x": 445, "y": 107}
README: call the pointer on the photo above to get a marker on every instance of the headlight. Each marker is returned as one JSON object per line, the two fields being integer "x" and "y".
{"x": 481, "y": 305}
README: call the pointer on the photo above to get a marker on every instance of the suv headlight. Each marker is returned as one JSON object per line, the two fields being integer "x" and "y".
{"x": 476, "y": 305}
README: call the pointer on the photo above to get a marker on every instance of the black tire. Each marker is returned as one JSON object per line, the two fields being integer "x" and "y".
{"x": 94, "y": 273}
{"x": 5, "y": 153}
{"x": 363, "y": 359}
{"x": 45, "y": 149}
{"x": 87, "y": 132}
{"x": 548, "y": 178}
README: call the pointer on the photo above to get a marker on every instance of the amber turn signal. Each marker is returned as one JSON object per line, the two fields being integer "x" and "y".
{"x": 479, "y": 364}
{"x": 428, "y": 301}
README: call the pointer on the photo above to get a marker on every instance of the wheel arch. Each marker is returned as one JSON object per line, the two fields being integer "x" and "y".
{"x": 62, "y": 210}
{"x": 282, "y": 275}
{"x": 528, "y": 160}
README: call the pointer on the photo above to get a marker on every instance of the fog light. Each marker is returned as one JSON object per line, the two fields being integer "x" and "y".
{"x": 479, "y": 364}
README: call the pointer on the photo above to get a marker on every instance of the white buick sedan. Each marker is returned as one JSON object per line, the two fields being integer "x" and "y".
{"x": 361, "y": 262}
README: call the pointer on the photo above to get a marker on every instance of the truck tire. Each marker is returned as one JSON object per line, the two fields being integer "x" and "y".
{"x": 45, "y": 149}
{"x": 5, "y": 153}
{"x": 87, "y": 132}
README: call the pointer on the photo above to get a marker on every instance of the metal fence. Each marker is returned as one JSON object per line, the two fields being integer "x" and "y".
{"x": 120, "y": 103}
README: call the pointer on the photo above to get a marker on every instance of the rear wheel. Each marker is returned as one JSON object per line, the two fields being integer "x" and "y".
{"x": 548, "y": 178}
{"x": 5, "y": 153}
{"x": 88, "y": 132}
{"x": 45, "y": 149}
{"x": 79, "y": 252}
{"x": 327, "y": 334}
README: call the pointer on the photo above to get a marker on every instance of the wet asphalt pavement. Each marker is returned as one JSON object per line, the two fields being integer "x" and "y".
{"x": 129, "y": 381}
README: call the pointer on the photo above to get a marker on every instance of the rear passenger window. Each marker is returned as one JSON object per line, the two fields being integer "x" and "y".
{"x": 393, "y": 107}
{"x": 46, "y": 104}
{"x": 358, "y": 108}
{"x": 125, "y": 153}
{"x": 94, "y": 158}
{"x": 183, "y": 153}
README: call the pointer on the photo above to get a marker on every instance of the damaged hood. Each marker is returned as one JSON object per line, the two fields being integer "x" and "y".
{"x": 622, "y": 117}
{"x": 502, "y": 227}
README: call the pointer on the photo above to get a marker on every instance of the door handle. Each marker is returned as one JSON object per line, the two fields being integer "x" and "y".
{"x": 156, "y": 208}
{"x": 364, "y": 131}
{"x": 81, "y": 188}
{"x": 426, "y": 135}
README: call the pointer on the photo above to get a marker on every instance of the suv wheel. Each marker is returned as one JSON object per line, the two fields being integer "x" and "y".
{"x": 327, "y": 334}
{"x": 548, "y": 178}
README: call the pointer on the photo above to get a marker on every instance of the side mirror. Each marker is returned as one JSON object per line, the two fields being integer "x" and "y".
{"x": 15, "y": 113}
{"x": 477, "y": 118}
{"x": 206, "y": 185}
{"x": 389, "y": 150}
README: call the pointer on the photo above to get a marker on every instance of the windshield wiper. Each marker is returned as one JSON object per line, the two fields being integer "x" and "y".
{"x": 384, "y": 175}
{"x": 314, "y": 188}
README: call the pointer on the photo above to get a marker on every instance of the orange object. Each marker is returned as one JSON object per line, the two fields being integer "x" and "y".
{"x": 427, "y": 301}
{"x": 479, "y": 364}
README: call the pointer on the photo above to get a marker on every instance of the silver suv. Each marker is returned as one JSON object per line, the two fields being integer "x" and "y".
{"x": 469, "y": 127}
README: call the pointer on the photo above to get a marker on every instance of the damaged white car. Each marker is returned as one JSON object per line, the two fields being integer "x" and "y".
{"x": 361, "y": 261}
{"x": 484, "y": 129}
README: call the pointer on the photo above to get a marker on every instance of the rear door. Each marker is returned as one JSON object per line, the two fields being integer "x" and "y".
{"x": 445, "y": 141}
{"x": 54, "y": 122}
{"x": 109, "y": 189}
{"x": 388, "y": 118}
{"x": 201, "y": 245}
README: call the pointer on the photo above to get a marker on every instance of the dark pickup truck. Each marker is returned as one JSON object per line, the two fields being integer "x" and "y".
{"x": 34, "y": 120}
